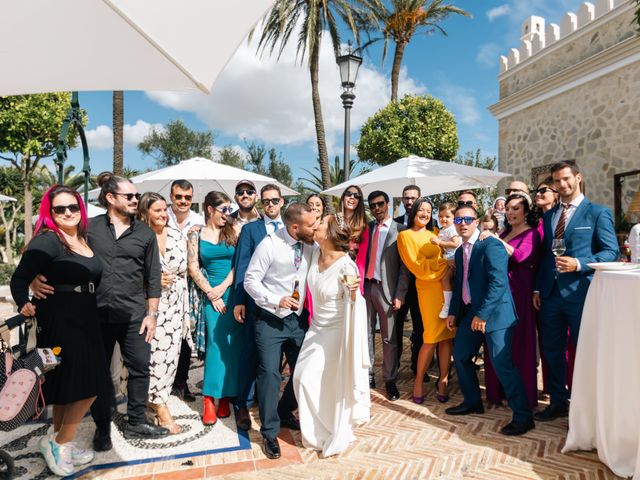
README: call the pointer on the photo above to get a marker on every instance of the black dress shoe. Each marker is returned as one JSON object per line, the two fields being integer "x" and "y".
{"x": 392, "y": 391}
{"x": 183, "y": 393}
{"x": 372, "y": 381}
{"x": 144, "y": 430}
{"x": 102, "y": 440}
{"x": 271, "y": 447}
{"x": 243, "y": 421}
{"x": 463, "y": 409}
{"x": 553, "y": 411}
{"x": 518, "y": 428}
{"x": 292, "y": 423}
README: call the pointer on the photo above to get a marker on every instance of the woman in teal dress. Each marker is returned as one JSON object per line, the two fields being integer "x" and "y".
{"x": 212, "y": 249}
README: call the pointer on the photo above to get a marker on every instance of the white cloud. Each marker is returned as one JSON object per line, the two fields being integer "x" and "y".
{"x": 264, "y": 100}
{"x": 461, "y": 101}
{"x": 488, "y": 54}
{"x": 101, "y": 137}
{"x": 497, "y": 12}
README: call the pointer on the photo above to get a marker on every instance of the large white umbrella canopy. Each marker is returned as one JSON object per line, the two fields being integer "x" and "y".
{"x": 120, "y": 44}
{"x": 205, "y": 175}
{"x": 4, "y": 198}
{"x": 432, "y": 176}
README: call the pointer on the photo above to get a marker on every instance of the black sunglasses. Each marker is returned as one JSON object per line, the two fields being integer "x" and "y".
{"x": 180, "y": 197}
{"x": 272, "y": 201}
{"x": 350, "y": 194}
{"x": 379, "y": 204}
{"x": 129, "y": 196}
{"x": 245, "y": 191}
{"x": 544, "y": 190}
{"x": 60, "y": 209}
{"x": 467, "y": 220}
{"x": 468, "y": 203}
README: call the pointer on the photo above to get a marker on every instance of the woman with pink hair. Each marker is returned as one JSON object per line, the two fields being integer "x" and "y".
{"x": 67, "y": 319}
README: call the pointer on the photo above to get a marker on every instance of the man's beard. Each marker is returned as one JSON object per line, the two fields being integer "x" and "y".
{"x": 124, "y": 211}
{"x": 246, "y": 209}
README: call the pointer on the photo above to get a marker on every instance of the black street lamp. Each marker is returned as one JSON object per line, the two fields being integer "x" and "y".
{"x": 349, "y": 65}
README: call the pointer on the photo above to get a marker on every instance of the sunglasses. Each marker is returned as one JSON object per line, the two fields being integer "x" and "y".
{"x": 180, "y": 197}
{"x": 245, "y": 191}
{"x": 60, "y": 209}
{"x": 509, "y": 191}
{"x": 225, "y": 210}
{"x": 270, "y": 201}
{"x": 468, "y": 203}
{"x": 129, "y": 196}
{"x": 467, "y": 220}
{"x": 355, "y": 195}
{"x": 374, "y": 205}
{"x": 544, "y": 190}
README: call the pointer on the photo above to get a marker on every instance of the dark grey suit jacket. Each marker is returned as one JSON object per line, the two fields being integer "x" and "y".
{"x": 395, "y": 276}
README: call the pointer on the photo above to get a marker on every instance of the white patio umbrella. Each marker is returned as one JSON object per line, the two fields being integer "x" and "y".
{"x": 205, "y": 175}
{"x": 4, "y": 198}
{"x": 121, "y": 44}
{"x": 432, "y": 176}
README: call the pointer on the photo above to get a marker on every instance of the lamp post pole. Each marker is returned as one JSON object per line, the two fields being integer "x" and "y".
{"x": 347, "y": 102}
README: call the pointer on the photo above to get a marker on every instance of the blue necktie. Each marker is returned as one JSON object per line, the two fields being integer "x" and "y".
{"x": 297, "y": 259}
{"x": 276, "y": 226}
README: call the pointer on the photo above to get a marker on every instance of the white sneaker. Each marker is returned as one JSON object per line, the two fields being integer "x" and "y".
{"x": 58, "y": 457}
{"x": 80, "y": 456}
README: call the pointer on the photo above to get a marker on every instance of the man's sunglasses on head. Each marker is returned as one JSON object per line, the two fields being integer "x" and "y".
{"x": 373, "y": 205}
{"x": 188, "y": 198}
{"x": 468, "y": 203}
{"x": 467, "y": 220}
{"x": 544, "y": 190}
{"x": 509, "y": 191}
{"x": 245, "y": 191}
{"x": 267, "y": 201}
{"x": 129, "y": 196}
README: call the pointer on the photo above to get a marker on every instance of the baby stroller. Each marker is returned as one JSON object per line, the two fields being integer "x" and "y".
{"x": 22, "y": 370}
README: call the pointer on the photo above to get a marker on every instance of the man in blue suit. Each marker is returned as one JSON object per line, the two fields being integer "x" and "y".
{"x": 482, "y": 304}
{"x": 562, "y": 282}
{"x": 250, "y": 236}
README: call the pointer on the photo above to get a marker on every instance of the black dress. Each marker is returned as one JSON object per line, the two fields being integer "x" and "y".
{"x": 65, "y": 319}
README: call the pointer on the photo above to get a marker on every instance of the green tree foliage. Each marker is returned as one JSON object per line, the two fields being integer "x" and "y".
{"x": 314, "y": 181}
{"x": 417, "y": 125}
{"x": 278, "y": 168}
{"x": 176, "y": 142}
{"x": 400, "y": 20}
{"x": 230, "y": 156}
{"x": 310, "y": 20}
{"x": 637, "y": 14}
{"x": 29, "y": 129}
{"x": 10, "y": 212}
{"x": 255, "y": 156}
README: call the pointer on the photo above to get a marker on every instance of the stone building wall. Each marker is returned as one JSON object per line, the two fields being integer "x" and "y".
{"x": 572, "y": 92}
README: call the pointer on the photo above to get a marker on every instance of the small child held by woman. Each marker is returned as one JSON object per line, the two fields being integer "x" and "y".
{"x": 448, "y": 240}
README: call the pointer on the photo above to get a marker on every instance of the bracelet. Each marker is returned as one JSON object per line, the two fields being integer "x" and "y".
{"x": 153, "y": 314}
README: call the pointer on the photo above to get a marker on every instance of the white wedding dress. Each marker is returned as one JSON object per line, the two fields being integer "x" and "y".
{"x": 331, "y": 377}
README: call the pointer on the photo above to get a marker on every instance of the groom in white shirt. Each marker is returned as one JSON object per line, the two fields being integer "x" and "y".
{"x": 279, "y": 262}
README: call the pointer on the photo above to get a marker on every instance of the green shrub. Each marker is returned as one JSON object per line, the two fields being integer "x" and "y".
{"x": 5, "y": 273}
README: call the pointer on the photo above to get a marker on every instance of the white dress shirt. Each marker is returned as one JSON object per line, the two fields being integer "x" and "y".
{"x": 193, "y": 219}
{"x": 271, "y": 225}
{"x": 271, "y": 273}
{"x": 382, "y": 237}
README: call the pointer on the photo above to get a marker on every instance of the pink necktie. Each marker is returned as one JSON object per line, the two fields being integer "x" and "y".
{"x": 466, "y": 253}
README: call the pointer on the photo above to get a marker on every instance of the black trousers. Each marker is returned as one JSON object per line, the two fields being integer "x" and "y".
{"x": 184, "y": 362}
{"x": 136, "y": 354}
{"x": 410, "y": 305}
{"x": 275, "y": 335}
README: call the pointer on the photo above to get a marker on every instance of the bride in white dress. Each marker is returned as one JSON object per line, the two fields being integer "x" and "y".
{"x": 331, "y": 378}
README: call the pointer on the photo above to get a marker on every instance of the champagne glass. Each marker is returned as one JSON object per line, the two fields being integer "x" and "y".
{"x": 558, "y": 247}
{"x": 349, "y": 276}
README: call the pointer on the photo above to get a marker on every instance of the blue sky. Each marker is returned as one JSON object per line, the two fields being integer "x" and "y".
{"x": 257, "y": 99}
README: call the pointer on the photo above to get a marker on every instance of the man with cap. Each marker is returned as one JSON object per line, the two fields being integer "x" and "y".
{"x": 246, "y": 198}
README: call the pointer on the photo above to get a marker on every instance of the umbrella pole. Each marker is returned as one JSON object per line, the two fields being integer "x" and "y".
{"x": 74, "y": 117}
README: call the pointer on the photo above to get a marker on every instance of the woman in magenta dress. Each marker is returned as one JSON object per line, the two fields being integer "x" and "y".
{"x": 352, "y": 207}
{"x": 521, "y": 240}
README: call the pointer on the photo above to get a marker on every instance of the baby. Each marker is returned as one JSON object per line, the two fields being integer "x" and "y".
{"x": 448, "y": 239}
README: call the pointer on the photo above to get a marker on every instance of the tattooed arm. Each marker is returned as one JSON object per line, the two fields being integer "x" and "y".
{"x": 193, "y": 264}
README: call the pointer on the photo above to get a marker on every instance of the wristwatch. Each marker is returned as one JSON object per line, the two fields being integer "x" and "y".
{"x": 153, "y": 314}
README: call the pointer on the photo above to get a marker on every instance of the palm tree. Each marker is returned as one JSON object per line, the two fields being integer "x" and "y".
{"x": 118, "y": 126}
{"x": 315, "y": 17}
{"x": 402, "y": 21}
{"x": 336, "y": 173}
{"x": 46, "y": 178}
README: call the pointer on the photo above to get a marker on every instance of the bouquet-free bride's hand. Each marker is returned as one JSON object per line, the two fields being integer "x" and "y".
{"x": 350, "y": 278}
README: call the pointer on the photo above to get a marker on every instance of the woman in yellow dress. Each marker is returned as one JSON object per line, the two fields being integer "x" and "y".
{"x": 426, "y": 262}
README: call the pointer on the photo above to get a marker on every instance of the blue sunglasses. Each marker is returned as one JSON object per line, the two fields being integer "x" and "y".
{"x": 467, "y": 220}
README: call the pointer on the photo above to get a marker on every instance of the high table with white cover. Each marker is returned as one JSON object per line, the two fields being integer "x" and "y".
{"x": 605, "y": 395}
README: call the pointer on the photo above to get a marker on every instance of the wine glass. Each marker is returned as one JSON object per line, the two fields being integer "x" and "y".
{"x": 558, "y": 248}
{"x": 349, "y": 276}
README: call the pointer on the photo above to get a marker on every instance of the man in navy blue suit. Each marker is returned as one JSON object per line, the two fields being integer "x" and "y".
{"x": 482, "y": 304}
{"x": 562, "y": 282}
{"x": 250, "y": 236}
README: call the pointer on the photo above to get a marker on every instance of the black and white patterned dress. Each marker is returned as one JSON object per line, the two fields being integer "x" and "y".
{"x": 173, "y": 319}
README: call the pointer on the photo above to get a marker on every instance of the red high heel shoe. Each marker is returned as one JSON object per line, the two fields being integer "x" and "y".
{"x": 223, "y": 408}
{"x": 209, "y": 417}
